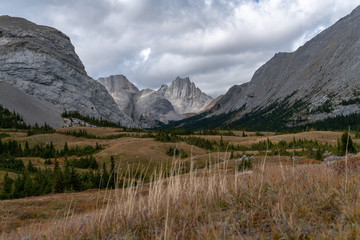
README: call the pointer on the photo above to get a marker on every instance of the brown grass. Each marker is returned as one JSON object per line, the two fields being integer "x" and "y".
{"x": 280, "y": 201}
{"x": 305, "y": 202}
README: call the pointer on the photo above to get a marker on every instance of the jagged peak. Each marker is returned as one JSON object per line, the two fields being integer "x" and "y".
{"x": 116, "y": 83}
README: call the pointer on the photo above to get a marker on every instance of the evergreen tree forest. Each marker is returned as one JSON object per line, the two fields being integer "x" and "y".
{"x": 91, "y": 120}
{"x": 36, "y": 181}
{"x": 14, "y": 149}
{"x": 15, "y": 121}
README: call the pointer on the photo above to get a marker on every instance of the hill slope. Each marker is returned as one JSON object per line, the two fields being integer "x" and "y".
{"x": 32, "y": 109}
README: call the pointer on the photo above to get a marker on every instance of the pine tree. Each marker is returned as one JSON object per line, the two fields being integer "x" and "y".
{"x": 30, "y": 167}
{"x": 58, "y": 182}
{"x": 112, "y": 173}
{"x": 105, "y": 177}
{"x": 27, "y": 150}
{"x": 7, "y": 188}
{"x": 66, "y": 149}
{"x": 28, "y": 185}
{"x": 346, "y": 141}
{"x": 75, "y": 180}
{"x": 18, "y": 189}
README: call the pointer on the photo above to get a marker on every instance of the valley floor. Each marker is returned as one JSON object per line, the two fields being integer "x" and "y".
{"x": 273, "y": 201}
{"x": 277, "y": 199}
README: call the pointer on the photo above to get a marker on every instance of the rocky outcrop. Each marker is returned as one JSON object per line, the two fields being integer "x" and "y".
{"x": 41, "y": 61}
{"x": 185, "y": 96}
{"x": 147, "y": 108}
{"x": 30, "y": 108}
{"x": 152, "y": 108}
{"x": 122, "y": 91}
{"x": 313, "y": 81}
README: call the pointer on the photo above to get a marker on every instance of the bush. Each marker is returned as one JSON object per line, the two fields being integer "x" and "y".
{"x": 245, "y": 164}
{"x": 173, "y": 151}
{"x": 48, "y": 162}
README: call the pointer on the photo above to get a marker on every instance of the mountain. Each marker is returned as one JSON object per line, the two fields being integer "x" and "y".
{"x": 32, "y": 109}
{"x": 153, "y": 109}
{"x": 318, "y": 81}
{"x": 185, "y": 96}
{"x": 41, "y": 61}
{"x": 147, "y": 108}
{"x": 122, "y": 91}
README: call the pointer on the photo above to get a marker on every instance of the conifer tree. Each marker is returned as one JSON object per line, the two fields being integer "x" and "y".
{"x": 112, "y": 174}
{"x": 105, "y": 177}
{"x": 75, "y": 180}
{"x": 7, "y": 188}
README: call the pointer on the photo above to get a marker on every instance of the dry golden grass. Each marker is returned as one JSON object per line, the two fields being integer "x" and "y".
{"x": 320, "y": 136}
{"x": 278, "y": 201}
{"x": 22, "y": 212}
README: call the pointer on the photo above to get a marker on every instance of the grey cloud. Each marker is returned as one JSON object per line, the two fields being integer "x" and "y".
{"x": 216, "y": 43}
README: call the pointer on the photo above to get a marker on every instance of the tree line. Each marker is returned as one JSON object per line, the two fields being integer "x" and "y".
{"x": 34, "y": 181}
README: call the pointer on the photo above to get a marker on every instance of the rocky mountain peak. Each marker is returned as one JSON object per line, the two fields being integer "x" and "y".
{"x": 116, "y": 83}
{"x": 41, "y": 61}
{"x": 185, "y": 96}
{"x": 19, "y": 34}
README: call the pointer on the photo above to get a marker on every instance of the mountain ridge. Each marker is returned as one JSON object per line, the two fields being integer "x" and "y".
{"x": 150, "y": 107}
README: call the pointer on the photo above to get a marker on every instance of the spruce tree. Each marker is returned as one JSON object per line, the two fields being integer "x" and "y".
{"x": 66, "y": 149}
{"x": 346, "y": 142}
{"x": 105, "y": 177}
{"x": 75, "y": 180}
{"x": 112, "y": 173}
{"x": 7, "y": 188}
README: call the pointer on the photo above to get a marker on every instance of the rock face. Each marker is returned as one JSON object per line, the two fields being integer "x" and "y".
{"x": 148, "y": 108}
{"x": 185, "y": 96}
{"x": 41, "y": 61}
{"x": 313, "y": 81}
{"x": 152, "y": 108}
{"x": 32, "y": 109}
{"x": 122, "y": 91}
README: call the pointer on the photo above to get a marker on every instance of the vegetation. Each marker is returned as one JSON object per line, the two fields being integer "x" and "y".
{"x": 273, "y": 202}
{"x": 11, "y": 149}
{"x": 36, "y": 129}
{"x": 11, "y": 119}
{"x": 91, "y": 120}
{"x": 174, "y": 152}
{"x": 245, "y": 164}
{"x": 326, "y": 107}
{"x": 216, "y": 132}
{"x": 334, "y": 123}
{"x": 83, "y": 133}
{"x": 4, "y": 135}
{"x": 14, "y": 120}
{"x": 36, "y": 181}
{"x": 350, "y": 101}
{"x": 84, "y": 163}
{"x": 299, "y": 147}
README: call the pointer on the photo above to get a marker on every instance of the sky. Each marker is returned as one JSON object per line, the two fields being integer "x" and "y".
{"x": 217, "y": 43}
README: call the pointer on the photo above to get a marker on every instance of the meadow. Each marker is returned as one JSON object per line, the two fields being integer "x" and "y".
{"x": 209, "y": 194}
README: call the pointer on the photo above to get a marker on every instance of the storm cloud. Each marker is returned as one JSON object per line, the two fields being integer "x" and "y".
{"x": 216, "y": 43}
